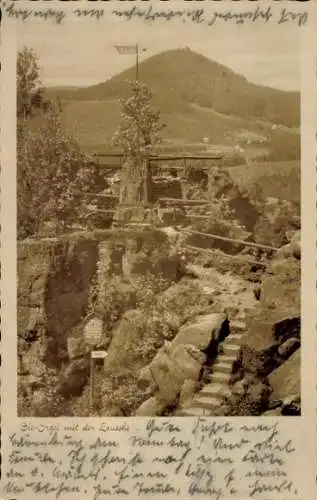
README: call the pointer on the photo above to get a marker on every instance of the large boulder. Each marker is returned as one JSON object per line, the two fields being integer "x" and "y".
{"x": 146, "y": 379}
{"x": 173, "y": 364}
{"x": 168, "y": 385}
{"x": 285, "y": 380}
{"x": 188, "y": 390}
{"x": 152, "y": 407}
{"x": 280, "y": 289}
{"x": 187, "y": 361}
{"x": 287, "y": 348}
{"x": 287, "y": 328}
{"x": 207, "y": 328}
{"x": 127, "y": 336}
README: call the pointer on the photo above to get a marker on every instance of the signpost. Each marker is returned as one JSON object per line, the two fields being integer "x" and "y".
{"x": 99, "y": 354}
{"x": 93, "y": 330}
{"x": 94, "y": 355}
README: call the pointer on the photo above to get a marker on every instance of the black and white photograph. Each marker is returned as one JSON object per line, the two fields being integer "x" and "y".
{"x": 158, "y": 221}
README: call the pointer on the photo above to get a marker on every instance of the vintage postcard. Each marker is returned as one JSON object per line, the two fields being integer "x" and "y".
{"x": 158, "y": 249}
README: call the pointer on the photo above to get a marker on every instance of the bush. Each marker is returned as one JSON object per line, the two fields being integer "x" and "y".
{"x": 166, "y": 311}
{"x": 53, "y": 176}
{"x": 118, "y": 394}
{"x": 44, "y": 401}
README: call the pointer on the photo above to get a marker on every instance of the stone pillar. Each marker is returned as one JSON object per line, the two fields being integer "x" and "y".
{"x": 131, "y": 192}
{"x": 135, "y": 191}
{"x": 135, "y": 182}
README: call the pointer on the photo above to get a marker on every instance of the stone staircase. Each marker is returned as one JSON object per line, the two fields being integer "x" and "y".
{"x": 212, "y": 395}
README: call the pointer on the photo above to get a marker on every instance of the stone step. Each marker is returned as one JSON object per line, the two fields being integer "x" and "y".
{"x": 206, "y": 402}
{"x": 226, "y": 358}
{"x": 231, "y": 349}
{"x": 216, "y": 390}
{"x": 220, "y": 378}
{"x": 237, "y": 325}
{"x": 233, "y": 338}
{"x": 220, "y": 367}
{"x": 193, "y": 412}
{"x": 241, "y": 316}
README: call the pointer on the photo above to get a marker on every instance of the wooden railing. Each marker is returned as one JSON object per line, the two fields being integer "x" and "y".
{"x": 158, "y": 158}
{"x": 231, "y": 240}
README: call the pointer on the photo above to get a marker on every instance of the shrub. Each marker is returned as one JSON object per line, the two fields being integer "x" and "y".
{"x": 119, "y": 394}
{"x": 43, "y": 402}
{"x": 53, "y": 176}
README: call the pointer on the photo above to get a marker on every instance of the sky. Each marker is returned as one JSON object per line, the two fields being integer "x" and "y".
{"x": 81, "y": 53}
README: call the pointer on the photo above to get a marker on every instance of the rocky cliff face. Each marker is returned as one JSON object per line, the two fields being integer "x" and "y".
{"x": 60, "y": 282}
{"x": 54, "y": 278}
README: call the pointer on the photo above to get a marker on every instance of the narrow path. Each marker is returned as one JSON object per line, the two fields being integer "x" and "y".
{"x": 213, "y": 394}
{"x": 231, "y": 291}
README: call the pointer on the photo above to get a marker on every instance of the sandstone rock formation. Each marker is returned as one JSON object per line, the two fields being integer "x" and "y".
{"x": 152, "y": 407}
{"x": 285, "y": 380}
{"x": 205, "y": 329}
{"x": 60, "y": 279}
{"x": 171, "y": 367}
{"x": 219, "y": 184}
